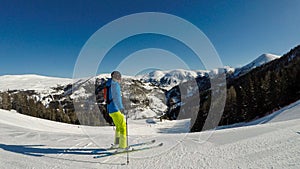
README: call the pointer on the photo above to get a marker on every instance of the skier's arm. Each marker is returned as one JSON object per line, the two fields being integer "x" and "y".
{"x": 116, "y": 96}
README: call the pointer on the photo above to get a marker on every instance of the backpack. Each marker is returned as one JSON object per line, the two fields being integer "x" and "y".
{"x": 102, "y": 98}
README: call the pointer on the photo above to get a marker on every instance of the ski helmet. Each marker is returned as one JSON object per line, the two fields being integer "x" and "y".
{"x": 116, "y": 75}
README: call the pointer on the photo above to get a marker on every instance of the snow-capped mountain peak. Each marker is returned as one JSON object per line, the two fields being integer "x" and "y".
{"x": 261, "y": 60}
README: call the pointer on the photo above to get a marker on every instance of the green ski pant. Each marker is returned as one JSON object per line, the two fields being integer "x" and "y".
{"x": 120, "y": 123}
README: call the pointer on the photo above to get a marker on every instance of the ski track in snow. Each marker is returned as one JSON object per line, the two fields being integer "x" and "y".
{"x": 28, "y": 142}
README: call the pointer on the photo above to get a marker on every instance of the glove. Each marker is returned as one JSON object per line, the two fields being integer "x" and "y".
{"x": 125, "y": 112}
{"x": 122, "y": 111}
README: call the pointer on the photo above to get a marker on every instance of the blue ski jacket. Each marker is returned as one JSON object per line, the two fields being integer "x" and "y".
{"x": 114, "y": 96}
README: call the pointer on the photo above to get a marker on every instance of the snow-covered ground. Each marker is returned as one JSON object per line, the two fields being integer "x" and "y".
{"x": 28, "y": 142}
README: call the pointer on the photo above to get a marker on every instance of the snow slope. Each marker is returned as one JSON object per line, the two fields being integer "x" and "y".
{"x": 31, "y": 82}
{"x": 289, "y": 112}
{"x": 27, "y": 142}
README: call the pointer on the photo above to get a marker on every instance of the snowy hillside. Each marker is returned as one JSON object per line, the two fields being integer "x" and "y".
{"x": 289, "y": 112}
{"x": 31, "y": 82}
{"x": 54, "y": 92}
{"x": 27, "y": 142}
{"x": 261, "y": 60}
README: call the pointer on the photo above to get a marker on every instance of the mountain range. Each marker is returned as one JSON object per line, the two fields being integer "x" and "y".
{"x": 154, "y": 94}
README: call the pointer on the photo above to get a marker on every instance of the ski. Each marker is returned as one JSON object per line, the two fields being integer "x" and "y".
{"x": 105, "y": 154}
{"x": 143, "y": 143}
{"x": 130, "y": 146}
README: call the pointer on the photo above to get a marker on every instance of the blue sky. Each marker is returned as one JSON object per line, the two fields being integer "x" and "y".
{"x": 45, "y": 37}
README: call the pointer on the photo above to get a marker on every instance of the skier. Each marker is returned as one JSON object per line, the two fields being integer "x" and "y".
{"x": 115, "y": 110}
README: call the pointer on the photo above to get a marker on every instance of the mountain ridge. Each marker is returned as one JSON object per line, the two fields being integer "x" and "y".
{"x": 169, "y": 78}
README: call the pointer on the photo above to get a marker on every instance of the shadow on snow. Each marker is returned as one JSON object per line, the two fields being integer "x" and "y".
{"x": 39, "y": 150}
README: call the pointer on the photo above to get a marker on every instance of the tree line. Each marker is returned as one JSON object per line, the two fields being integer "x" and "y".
{"x": 24, "y": 102}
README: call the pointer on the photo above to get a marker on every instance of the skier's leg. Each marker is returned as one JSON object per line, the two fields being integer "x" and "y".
{"x": 117, "y": 131}
{"x": 123, "y": 140}
{"x": 120, "y": 123}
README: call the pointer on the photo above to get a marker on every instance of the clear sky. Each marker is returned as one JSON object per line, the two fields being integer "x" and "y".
{"x": 46, "y": 37}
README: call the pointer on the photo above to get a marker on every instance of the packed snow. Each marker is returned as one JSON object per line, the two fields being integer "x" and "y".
{"x": 28, "y": 142}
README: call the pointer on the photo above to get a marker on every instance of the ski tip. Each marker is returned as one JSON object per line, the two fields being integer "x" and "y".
{"x": 161, "y": 144}
{"x": 153, "y": 141}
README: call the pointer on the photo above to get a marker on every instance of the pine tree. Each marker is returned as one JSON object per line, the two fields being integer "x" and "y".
{"x": 231, "y": 106}
{"x": 6, "y": 101}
